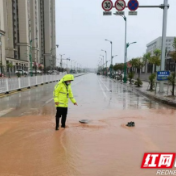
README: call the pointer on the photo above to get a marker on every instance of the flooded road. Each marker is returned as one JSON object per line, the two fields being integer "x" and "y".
{"x": 30, "y": 146}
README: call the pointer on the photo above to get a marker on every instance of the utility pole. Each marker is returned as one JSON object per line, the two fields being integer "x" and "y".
{"x": 30, "y": 56}
{"x": 111, "y": 55}
{"x": 161, "y": 89}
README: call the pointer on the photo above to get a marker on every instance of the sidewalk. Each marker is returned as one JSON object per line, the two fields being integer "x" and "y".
{"x": 156, "y": 95}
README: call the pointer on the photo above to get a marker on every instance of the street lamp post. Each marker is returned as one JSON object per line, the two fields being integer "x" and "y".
{"x": 68, "y": 59}
{"x": 61, "y": 60}
{"x": 125, "y": 64}
{"x": 106, "y": 60}
{"x": 164, "y": 30}
{"x": 103, "y": 63}
{"x": 111, "y": 54}
{"x": 52, "y": 55}
{"x": 113, "y": 57}
{"x": 72, "y": 61}
{"x": 30, "y": 56}
{"x": 126, "y": 46}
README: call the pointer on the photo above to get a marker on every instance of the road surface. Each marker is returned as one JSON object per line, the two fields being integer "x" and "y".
{"x": 30, "y": 146}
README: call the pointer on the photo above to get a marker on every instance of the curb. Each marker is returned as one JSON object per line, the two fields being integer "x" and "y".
{"x": 153, "y": 97}
{"x": 161, "y": 100}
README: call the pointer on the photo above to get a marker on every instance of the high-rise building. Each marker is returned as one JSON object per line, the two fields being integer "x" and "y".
{"x": 47, "y": 32}
{"x": 27, "y": 27}
{"x": 2, "y": 36}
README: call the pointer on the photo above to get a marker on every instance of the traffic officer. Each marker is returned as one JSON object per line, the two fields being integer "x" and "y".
{"x": 62, "y": 92}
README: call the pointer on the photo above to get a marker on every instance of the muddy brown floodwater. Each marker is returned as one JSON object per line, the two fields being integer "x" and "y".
{"x": 30, "y": 146}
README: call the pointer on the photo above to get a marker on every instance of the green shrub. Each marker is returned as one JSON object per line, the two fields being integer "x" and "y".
{"x": 152, "y": 80}
{"x": 18, "y": 74}
{"x": 172, "y": 81}
{"x": 138, "y": 82}
{"x": 131, "y": 76}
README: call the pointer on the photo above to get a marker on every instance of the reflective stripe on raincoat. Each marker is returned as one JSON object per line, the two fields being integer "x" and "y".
{"x": 62, "y": 92}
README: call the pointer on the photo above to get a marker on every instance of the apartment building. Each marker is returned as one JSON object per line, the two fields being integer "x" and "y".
{"x": 2, "y": 36}
{"x": 27, "y": 27}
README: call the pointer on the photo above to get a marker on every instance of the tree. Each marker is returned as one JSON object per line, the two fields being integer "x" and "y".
{"x": 131, "y": 76}
{"x": 172, "y": 77}
{"x": 173, "y": 55}
{"x": 146, "y": 58}
{"x": 152, "y": 80}
{"x": 138, "y": 64}
{"x": 9, "y": 66}
{"x": 35, "y": 68}
{"x": 119, "y": 67}
{"x": 155, "y": 60}
{"x": 1, "y": 66}
{"x": 132, "y": 62}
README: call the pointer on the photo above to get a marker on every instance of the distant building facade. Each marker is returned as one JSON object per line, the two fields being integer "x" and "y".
{"x": 157, "y": 44}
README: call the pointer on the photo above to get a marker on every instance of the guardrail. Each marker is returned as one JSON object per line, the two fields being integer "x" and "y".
{"x": 10, "y": 84}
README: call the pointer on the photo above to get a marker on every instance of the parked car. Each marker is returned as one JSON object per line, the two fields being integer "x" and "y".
{"x": 50, "y": 71}
{"x": 22, "y": 72}
{"x": 55, "y": 72}
{"x": 37, "y": 71}
{"x": 1, "y": 75}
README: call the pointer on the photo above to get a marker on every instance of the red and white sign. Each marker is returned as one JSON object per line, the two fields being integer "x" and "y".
{"x": 107, "y": 5}
{"x": 120, "y": 5}
{"x": 158, "y": 160}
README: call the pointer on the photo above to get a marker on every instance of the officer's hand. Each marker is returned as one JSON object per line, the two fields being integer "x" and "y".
{"x": 75, "y": 104}
{"x": 56, "y": 103}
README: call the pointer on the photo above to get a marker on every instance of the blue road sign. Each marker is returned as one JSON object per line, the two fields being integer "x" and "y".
{"x": 163, "y": 75}
{"x": 133, "y": 5}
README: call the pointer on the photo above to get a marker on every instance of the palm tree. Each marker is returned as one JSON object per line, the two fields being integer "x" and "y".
{"x": 1, "y": 66}
{"x": 132, "y": 62}
{"x": 174, "y": 53}
{"x": 138, "y": 64}
{"x": 146, "y": 58}
{"x": 156, "y": 58}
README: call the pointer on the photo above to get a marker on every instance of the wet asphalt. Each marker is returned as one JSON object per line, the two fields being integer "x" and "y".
{"x": 93, "y": 93}
{"x": 30, "y": 146}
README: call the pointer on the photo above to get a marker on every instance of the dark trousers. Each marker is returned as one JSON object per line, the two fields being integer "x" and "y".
{"x": 61, "y": 112}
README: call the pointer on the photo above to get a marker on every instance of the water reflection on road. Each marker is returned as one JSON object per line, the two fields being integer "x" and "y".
{"x": 30, "y": 146}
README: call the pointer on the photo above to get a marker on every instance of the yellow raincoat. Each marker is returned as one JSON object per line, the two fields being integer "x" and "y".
{"x": 62, "y": 92}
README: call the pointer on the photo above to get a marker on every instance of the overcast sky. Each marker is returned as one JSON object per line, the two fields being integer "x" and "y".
{"x": 81, "y": 29}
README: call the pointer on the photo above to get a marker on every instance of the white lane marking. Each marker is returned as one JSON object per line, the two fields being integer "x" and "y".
{"x": 105, "y": 86}
{"x": 6, "y": 111}
{"x": 49, "y": 101}
{"x": 76, "y": 83}
{"x": 103, "y": 91}
{"x": 52, "y": 98}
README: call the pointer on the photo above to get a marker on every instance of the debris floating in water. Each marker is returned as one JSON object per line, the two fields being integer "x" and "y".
{"x": 130, "y": 124}
{"x": 84, "y": 121}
